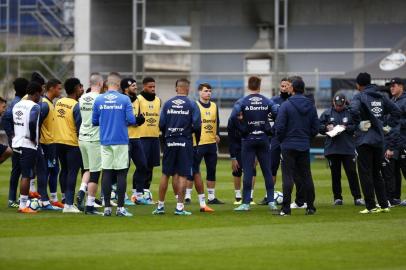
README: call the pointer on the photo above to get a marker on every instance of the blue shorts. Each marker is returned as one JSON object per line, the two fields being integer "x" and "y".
{"x": 152, "y": 151}
{"x": 27, "y": 159}
{"x": 3, "y": 149}
{"x": 209, "y": 153}
{"x": 50, "y": 154}
{"x": 178, "y": 157}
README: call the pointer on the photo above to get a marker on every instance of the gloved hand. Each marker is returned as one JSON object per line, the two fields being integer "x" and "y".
{"x": 364, "y": 125}
{"x": 140, "y": 119}
{"x": 386, "y": 129}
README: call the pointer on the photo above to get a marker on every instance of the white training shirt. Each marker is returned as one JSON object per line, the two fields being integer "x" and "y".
{"x": 21, "y": 119}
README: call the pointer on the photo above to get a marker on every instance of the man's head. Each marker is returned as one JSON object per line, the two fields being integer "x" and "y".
{"x": 339, "y": 102}
{"x": 36, "y": 77}
{"x": 148, "y": 85}
{"x": 113, "y": 81}
{"x": 298, "y": 86}
{"x": 204, "y": 91}
{"x": 73, "y": 88}
{"x": 129, "y": 86}
{"x": 96, "y": 82}
{"x": 396, "y": 87}
{"x": 363, "y": 79}
{"x": 291, "y": 79}
{"x": 20, "y": 86}
{"x": 284, "y": 85}
{"x": 182, "y": 86}
{"x": 3, "y": 105}
{"x": 254, "y": 83}
{"x": 34, "y": 91}
{"x": 53, "y": 88}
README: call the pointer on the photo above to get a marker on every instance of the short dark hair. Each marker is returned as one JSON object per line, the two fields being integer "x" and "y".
{"x": 2, "y": 100}
{"x": 291, "y": 79}
{"x": 148, "y": 80}
{"x": 202, "y": 85}
{"x": 36, "y": 77}
{"x": 20, "y": 86}
{"x": 33, "y": 88}
{"x": 363, "y": 79}
{"x": 52, "y": 83}
{"x": 182, "y": 80}
{"x": 284, "y": 79}
{"x": 254, "y": 83}
{"x": 70, "y": 85}
{"x": 298, "y": 86}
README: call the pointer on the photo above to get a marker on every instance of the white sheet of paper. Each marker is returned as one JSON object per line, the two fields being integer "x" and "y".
{"x": 335, "y": 131}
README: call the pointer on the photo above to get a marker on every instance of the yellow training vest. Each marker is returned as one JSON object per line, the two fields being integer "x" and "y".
{"x": 48, "y": 126}
{"x": 133, "y": 130}
{"x": 209, "y": 124}
{"x": 65, "y": 128}
{"x": 150, "y": 110}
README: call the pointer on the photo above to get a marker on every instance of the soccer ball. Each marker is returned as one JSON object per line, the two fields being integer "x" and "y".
{"x": 278, "y": 197}
{"x": 33, "y": 204}
{"x": 147, "y": 194}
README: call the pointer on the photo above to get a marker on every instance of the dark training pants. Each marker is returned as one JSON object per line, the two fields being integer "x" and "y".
{"x": 349, "y": 164}
{"x": 261, "y": 150}
{"x": 369, "y": 171}
{"x": 107, "y": 177}
{"x": 388, "y": 174}
{"x": 296, "y": 169}
{"x": 400, "y": 168}
{"x": 14, "y": 177}
{"x": 71, "y": 161}
{"x": 151, "y": 147}
{"x": 137, "y": 155}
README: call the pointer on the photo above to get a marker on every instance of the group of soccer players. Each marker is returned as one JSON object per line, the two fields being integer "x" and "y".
{"x": 99, "y": 132}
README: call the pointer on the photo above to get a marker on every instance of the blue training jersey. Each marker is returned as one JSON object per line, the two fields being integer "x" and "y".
{"x": 113, "y": 112}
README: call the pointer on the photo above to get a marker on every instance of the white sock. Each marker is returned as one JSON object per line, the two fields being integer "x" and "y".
{"x": 188, "y": 193}
{"x": 32, "y": 186}
{"x": 237, "y": 194}
{"x": 23, "y": 201}
{"x": 134, "y": 192}
{"x": 90, "y": 200}
{"x": 252, "y": 193}
{"x": 161, "y": 204}
{"x": 83, "y": 187}
{"x": 211, "y": 194}
{"x": 54, "y": 197}
{"x": 179, "y": 206}
{"x": 202, "y": 200}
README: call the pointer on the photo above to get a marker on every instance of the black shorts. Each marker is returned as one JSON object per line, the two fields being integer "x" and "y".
{"x": 27, "y": 159}
{"x": 178, "y": 157}
{"x": 208, "y": 152}
{"x": 3, "y": 149}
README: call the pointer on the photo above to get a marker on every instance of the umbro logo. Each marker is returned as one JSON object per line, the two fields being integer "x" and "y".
{"x": 208, "y": 127}
{"x": 19, "y": 113}
{"x": 88, "y": 99}
{"x": 110, "y": 97}
{"x": 178, "y": 102}
{"x": 376, "y": 110}
{"x": 255, "y": 99}
{"x": 151, "y": 120}
{"x": 61, "y": 111}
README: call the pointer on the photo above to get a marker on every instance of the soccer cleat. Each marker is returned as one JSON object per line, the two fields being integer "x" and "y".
{"x": 188, "y": 201}
{"x": 237, "y": 201}
{"x": 310, "y": 212}
{"x": 359, "y": 202}
{"x": 107, "y": 212}
{"x": 97, "y": 201}
{"x": 71, "y": 209}
{"x": 50, "y": 207}
{"x": 91, "y": 210}
{"x": 395, "y": 202}
{"x": 272, "y": 206}
{"x": 206, "y": 209}
{"x": 370, "y": 211}
{"x": 403, "y": 203}
{"x": 128, "y": 202}
{"x": 26, "y": 210}
{"x": 215, "y": 201}
{"x": 81, "y": 200}
{"x": 34, "y": 194}
{"x": 242, "y": 207}
{"x": 123, "y": 213}
{"x": 338, "y": 202}
{"x": 159, "y": 211}
{"x": 385, "y": 210}
{"x": 281, "y": 213}
{"x": 252, "y": 202}
{"x": 294, "y": 205}
{"x": 96, "y": 205}
{"x": 58, "y": 204}
{"x": 13, "y": 204}
{"x": 264, "y": 201}
{"x": 182, "y": 212}
{"x": 143, "y": 201}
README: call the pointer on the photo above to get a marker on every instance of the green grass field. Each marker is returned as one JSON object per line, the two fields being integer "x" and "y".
{"x": 335, "y": 238}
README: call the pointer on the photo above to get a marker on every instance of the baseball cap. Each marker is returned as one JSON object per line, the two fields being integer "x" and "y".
{"x": 396, "y": 80}
{"x": 126, "y": 82}
{"x": 340, "y": 99}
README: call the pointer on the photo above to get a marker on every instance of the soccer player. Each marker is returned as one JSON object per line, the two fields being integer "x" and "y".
{"x": 20, "y": 87}
{"x": 5, "y": 151}
{"x": 136, "y": 151}
{"x": 89, "y": 144}
{"x": 180, "y": 117}
{"x": 113, "y": 112}
{"x": 297, "y": 123}
{"x": 25, "y": 141}
{"x": 67, "y": 123}
{"x": 47, "y": 159}
{"x": 370, "y": 109}
{"x": 255, "y": 128}
{"x": 399, "y": 97}
{"x": 340, "y": 149}
{"x": 149, "y": 106}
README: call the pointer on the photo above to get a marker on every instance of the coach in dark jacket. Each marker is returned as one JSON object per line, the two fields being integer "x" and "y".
{"x": 369, "y": 109}
{"x": 340, "y": 148}
{"x": 297, "y": 123}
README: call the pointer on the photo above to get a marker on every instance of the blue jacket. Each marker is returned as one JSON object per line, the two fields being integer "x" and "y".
{"x": 113, "y": 112}
{"x": 180, "y": 117}
{"x": 274, "y": 140}
{"x": 234, "y": 139}
{"x": 297, "y": 123}
{"x": 7, "y": 120}
{"x": 343, "y": 143}
{"x": 401, "y": 103}
{"x": 372, "y": 105}
{"x": 258, "y": 112}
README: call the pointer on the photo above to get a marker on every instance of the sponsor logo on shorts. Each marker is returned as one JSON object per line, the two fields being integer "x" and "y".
{"x": 176, "y": 144}
{"x": 176, "y": 129}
